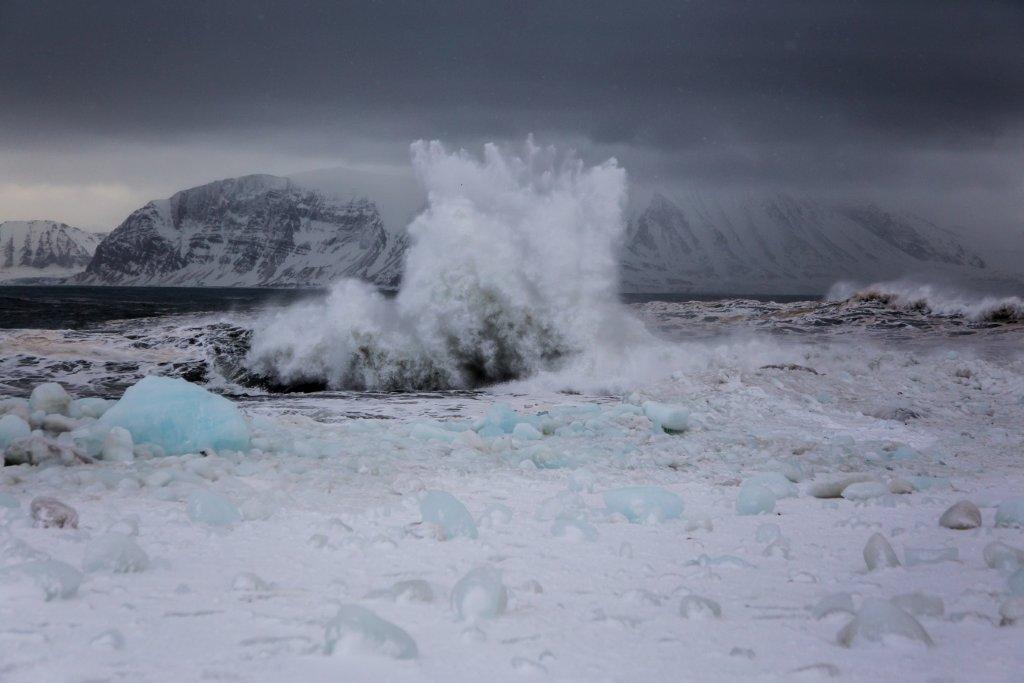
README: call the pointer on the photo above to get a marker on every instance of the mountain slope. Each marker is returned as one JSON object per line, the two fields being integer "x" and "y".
{"x": 31, "y": 249}
{"x": 780, "y": 244}
{"x": 251, "y": 231}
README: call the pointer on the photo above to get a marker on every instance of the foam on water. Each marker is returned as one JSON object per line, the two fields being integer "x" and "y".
{"x": 513, "y": 270}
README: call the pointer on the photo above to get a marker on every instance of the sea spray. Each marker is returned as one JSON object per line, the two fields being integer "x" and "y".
{"x": 512, "y": 270}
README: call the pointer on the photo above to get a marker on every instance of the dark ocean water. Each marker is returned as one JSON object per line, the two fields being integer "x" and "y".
{"x": 75, "y": 308}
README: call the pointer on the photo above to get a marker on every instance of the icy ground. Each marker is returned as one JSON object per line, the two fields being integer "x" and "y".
{"x": 331, "y": 510}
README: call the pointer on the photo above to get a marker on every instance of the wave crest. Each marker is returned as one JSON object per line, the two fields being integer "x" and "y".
{"x": 929, "y": 299}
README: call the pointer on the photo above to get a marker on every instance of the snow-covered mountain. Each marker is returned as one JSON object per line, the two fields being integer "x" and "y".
{"x": 780, "y": 244}
{"x": 43, "y": 249}
{"x": 256, "y": 230}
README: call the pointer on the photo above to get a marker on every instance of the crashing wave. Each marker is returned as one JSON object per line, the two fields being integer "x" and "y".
{"x": 512, "y": 271}
{"x": 931, "y": 300}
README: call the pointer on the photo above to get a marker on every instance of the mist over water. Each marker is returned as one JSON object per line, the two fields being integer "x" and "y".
{"x": 513, "y": 270}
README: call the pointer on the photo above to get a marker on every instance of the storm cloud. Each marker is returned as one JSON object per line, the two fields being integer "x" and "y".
{"x": 920, "y": 101}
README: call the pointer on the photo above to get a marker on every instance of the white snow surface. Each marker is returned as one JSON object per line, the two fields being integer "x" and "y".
{"x": 331, "y": 514}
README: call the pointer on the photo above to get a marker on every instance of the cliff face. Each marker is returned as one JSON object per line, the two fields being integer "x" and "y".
{"x": 43, "y": 249}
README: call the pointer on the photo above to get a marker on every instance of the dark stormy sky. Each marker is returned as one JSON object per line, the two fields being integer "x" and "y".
{"x": 917, "y": 103}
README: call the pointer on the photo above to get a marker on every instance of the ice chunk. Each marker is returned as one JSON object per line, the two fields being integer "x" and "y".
{"x": 89, "y": 407}
{"x": 1012, "y": 611}
{"x": 999, "y": 555}
{"x": 111, "y": 639}
{"x": 644, "y": 504}
{"x": 670, "y": 418}
{"x": 833, "y": 488}
{"x": 480, "y": 594}
{"x": 117, "y": 445}
{"x": 767, "y": 532}
{"x": 962, "y": 515}
{"x": 920, "y": 604}
{"x": 833, "y": 604}
{"x": 1010, "y": 512}
{"x": 878, "y": 553}
{"x": 698, "y": 607}
{"x": 179, "y": 417}
{"x": 573, "y": 529}
{"x": 12, "y": 428}
{"x": 865, "y": 490}
{"x": 1016, "y": 582}
{"x": 356, "y": 630}
{"x": 525, "y": 431}
{"x": 116, "y": 553}
{"x": 448, "y": 513}
{"x": 56, "y": 579}
{"x": 878, "y": 619}
{"x": 50, "y": 512}
{"x": 413, "y": 590}
{"x": 247, "y": 582}
{"x": 916, "y": 556}
{"x": 776, "y": 482}
{"x": 209, "y": 507}
{"x": 8, "y": 501}
{"x": 49, "y": 398}
{"x": 754, "y": 499}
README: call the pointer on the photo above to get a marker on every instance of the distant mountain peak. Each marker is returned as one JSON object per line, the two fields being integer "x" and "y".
{"x": 42, "y": 248}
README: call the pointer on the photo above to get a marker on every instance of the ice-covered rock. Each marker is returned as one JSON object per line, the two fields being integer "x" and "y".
{"x": 999, "y": 555}
{"x": 115, "y": 553}
{"x": 878, "y": 553}
{"x": 179, "y": 417}
{"x": 49, "y": 398}
{"x": 961, "y": 515}
{"x": 1010, "y": 512}
{"x": 357, "y": 630}
{"x": 447, "y": 512}
{"x": 699, "y": 607}
{"x": 118, "y": 446}
{"x": 879, "y": 619}
{"x": 12, "y": 428}
{"x": 920, "y": 604}
{"x": 670, "y": 418}
{"x": 54, "y": 578}
{"x": 754, "y": 499}
{"x": 480, "y": 594}
{"x": 49, "y": 512}
{"x": 644, "y": 504}
{"x": 915, "y": 556}
{"x": 865, "y": 490}
{"x": 833, "y": 488}
{"x": 209, "y": 507}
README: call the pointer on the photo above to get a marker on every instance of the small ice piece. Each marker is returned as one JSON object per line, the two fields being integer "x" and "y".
{"x": 49, "y": 398}
{"x": 961, "y": 515}
{"x": 49, "y": 512}
{"x": 670, "y": 418}
{"x": 754, "y": 499}
{"x": 900, "y": 487}
{"x": 357, "y": 630}
{"x": 89, "y": 407}
{"x": 699, "y": 607}
{"x": 524, "y": 431}
{"x": 179, "y": 417}
{"x": 58, "y": 424}
{"x": 12, "y": 428}
{"x": 865, "y": 490}
{"x": 776, "y": 482}
{"x": 118, "y": 446}
{"x": 116, "y": 553}
{"x": 573, "y": 529}
{"x": 413, "y": 590}
{"x": 209, "y": 507}
{"x": 8, "y": 501}
{"x": 767, "y": 532}
{"x": 56, "y": 579}
{"x": 644, "y": 504}
{"x": 247, "y": 582}
{"x": 999, "y": 555}
{"x": 111, "y": 639}
{"x": 878, "y": 554}
{"x": 878, "y": 619}
{"x": 1011, "y": 611}
{"x": 833, "y": 488}
{"x": 915, "y": 556}
{"x": 480, "y": 594}
{"x": 1010, "y": 512}
{"x": 448, "y": 513}
{"x": 920, "y": 604}
{"x": 833, "y": 604}
{"x": 1016, "y": 582}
